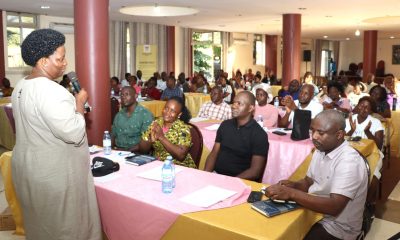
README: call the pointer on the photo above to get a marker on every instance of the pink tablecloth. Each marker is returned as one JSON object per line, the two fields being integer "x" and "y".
{"x": 132, "y": 207}
{"x": 284, "y": 154}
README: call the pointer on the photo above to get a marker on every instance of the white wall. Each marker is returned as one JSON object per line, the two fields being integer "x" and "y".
{"x": 240, "y": 56}
{"x": 352, "y": 51}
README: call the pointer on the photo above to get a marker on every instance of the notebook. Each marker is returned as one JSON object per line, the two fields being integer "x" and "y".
{"x": 139, "y": 160}
{"x": 270, "y": 208}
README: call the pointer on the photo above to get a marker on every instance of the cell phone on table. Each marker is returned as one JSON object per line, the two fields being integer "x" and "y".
{"x": 279, "y": 133}
{"x": 254, "y": 196}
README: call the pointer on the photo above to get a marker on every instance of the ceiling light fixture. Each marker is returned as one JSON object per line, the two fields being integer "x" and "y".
{"x": 158, "y": 11}
{"x": 347, "y": 39}
{"x": 325, "y": 36}
{"x": 45, "y": 7}
{"x": 391, "y": 37}
{"x": 302, "y": 8}
{"x": 357, "y": 33}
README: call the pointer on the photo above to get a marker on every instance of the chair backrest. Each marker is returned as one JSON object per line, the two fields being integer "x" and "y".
{"x": 197, "y": 144}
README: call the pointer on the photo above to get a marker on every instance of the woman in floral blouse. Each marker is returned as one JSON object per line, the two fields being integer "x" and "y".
{"x": 169, "y": 135}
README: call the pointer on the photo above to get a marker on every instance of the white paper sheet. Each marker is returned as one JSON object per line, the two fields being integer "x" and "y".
{"x": 207, "y": 196}
{"x": 213, "y": 127}
{"x": 107, "y": 178}
{"x": 155, "y": 173}
{"x": 198, "y": 119}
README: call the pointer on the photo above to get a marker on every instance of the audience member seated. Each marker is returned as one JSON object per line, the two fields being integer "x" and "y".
{"x": 139, "y": 75}
{"x": 308, "y": 79}
{"x": 151, "y": 91}
{"x": 336, "y": 182}
{"x": 357, "y": 94}
{"x": 323, "y": 94}
{"x": 134, "y": 83}
{"x": 293, "y": 90}
{"x": 226, "y": 89}
{"x": 269, "y": 77}
{"x": 182, "y": 83}
{"x": 363, "y": 124}
{"x": 124, "y": 82}
{"x": 370, "y": 82}
{"x": 391, "y": 86}
{"x": 335, "y": 99}
{"x": 257, "y": 81}
{"x": 216, "y": 108}
{"x": 6, "y": 89}
{"x": 303, "y": 103}
{"x": 130, "y": 122}
{"x": 169, "y": 135}
{"x": 268, "y": 112}
{"x": 114, "y": 81}
{"x": 249, "y": 76}
{"x": 379, "y": 95}
{"x": 172, "y": 90}
{"x": 161, "y": 80}
{"x": 241, "y": 145}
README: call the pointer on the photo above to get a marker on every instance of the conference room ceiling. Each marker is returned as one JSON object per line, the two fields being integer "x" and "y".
{"x": 336, "y": 19}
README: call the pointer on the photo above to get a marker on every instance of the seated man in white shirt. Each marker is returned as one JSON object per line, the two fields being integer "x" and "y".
{"x": 217, "y": 108}
{"x": 303, "y": 103}
{"x": 335, "y": 184}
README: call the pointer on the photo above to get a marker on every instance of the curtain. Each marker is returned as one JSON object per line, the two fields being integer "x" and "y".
{"x": 226, "y": 43}
{"x": 318, "y": 49}
{"x": 336, "y": 47}
{"x": 151, "y": 34}
{"x": 117, "y": 49}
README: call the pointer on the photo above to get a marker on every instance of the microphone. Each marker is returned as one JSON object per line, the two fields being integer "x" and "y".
{"x": 77, "y": 87}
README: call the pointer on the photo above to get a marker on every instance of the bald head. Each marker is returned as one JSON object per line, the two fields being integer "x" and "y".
{"x": 328, "y": 130}
{"x": 332, "y": 118}
{"x": 249, "y": 97}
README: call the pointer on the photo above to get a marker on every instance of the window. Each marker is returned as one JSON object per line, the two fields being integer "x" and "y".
{"x": 207, "y": 53}
{"x": 258, "y": 50}
{"x": 128, "y": 50}
{"x": 19, "y": 25}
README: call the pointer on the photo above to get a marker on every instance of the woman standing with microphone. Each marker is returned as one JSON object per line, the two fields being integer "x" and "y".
{"x": 50, "y": 165}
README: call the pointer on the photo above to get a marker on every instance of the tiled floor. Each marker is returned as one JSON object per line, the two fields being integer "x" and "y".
{"x": 387, "y": 225}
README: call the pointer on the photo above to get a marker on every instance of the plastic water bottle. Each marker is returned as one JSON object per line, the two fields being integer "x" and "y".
{"x": 139, "y": 96}
{"x": 181, "y": 88}
{"x": 394, "y": 103}
{"x": 107, "y": 143}
{"x": 167, "y": 177}
{"x": 260, "y": 120}
{"x": 205, "y": 89}
{"x": 169, "y": 158}
{"x": 276, "y": 102}
{"x": 1, "y": 94}
{"x": 112, "y": 92}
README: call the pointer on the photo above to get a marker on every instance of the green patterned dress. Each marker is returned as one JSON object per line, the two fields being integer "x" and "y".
{"x": 178, "y": 134}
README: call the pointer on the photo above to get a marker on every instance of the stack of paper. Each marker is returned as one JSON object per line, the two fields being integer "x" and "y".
{"x": 207, "y": 196}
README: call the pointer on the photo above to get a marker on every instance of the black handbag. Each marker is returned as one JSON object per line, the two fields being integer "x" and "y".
{"x": 301, "y": 125}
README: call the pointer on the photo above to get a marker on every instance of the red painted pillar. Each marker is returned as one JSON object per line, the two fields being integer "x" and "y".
{"x": 271, "y": 50}
{"x": 2, "y": 56}
{"x": 171, "y": 49}
{"x": 369, "y": 59}
{"x": 291, "y": 48}
{"x": 92, "y": 63}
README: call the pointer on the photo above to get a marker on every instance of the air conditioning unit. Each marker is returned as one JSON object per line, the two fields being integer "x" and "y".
{"x": 240, "y": 38}
{"x": 65, "y": 28}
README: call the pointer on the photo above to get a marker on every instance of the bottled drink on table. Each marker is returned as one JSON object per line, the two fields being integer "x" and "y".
{"x": 260, "y": 120}
{"x": 205, "y": 89}
{"x": 167, "y": 176}
{"x": 169, "y": 158}
{"x": 107, "y": 143}
{"x": 394, "y": 104}
{"x": 276, "y": 102}
{"x": 112, "y": 92}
